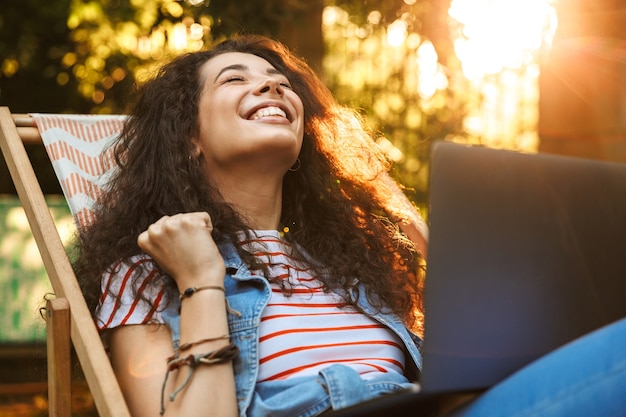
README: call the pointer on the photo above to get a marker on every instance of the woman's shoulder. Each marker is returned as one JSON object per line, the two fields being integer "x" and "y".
{"x": 133, "y": 291}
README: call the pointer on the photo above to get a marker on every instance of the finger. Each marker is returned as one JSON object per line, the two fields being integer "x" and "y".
{"x": 203, "y": 218}
{"x": 161, "y": 220}
{"x": 206, "y": 218}
{"x": 143, "y": 241}
{"x": 184, "y": 221}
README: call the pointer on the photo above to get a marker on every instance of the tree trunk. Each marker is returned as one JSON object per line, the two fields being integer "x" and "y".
{"x": 303, "y": 35}
{"x": 582, "y": 106}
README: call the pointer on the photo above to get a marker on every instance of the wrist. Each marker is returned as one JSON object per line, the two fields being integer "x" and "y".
{"x": 190, "y": 291}
{"x": 209, "y": 290}
{"x": 204, "y": 277}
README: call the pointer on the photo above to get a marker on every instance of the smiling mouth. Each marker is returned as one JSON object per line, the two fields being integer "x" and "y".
{"x": 271, "y": 111}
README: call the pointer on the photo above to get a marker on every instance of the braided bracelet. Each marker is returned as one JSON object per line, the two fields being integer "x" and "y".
{"x": 224, "y": 354}
{"x": 192, "y": 290}
{"x": 189, "y": 345}
{"x": 227, "y": 353}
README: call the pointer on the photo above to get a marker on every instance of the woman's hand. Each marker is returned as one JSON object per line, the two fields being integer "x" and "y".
{"x": 183, "y": 247}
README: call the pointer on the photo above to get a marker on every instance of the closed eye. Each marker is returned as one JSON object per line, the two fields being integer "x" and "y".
{"x": 233, "y": 78}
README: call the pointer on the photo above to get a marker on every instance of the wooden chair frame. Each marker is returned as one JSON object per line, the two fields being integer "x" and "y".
{"x": 68, "y": 318}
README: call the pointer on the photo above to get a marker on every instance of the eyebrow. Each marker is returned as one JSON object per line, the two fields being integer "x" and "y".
{"x": 240, "y": 67}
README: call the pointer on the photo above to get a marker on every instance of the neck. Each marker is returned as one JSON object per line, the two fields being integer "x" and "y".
{"x": 257, "y": 199}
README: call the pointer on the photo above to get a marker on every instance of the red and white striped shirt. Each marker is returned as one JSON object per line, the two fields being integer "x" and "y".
{"x": 306, "y": 329}
{"x": 119, "y": 305}
{"x": 302, "y": 330}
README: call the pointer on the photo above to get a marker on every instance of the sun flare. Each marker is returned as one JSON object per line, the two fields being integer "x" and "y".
{"x": 493, "y": 35}
{"x": 500, "y": 44}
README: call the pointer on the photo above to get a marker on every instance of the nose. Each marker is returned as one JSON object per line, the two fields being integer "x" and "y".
{"x": 270, "y": 85}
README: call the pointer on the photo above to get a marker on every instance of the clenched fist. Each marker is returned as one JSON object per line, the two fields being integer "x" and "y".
{"x": 183, "y": 247}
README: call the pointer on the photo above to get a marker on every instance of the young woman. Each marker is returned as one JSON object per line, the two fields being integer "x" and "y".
{"x": 252, "y": 256}
{"x": 240, "y": 176}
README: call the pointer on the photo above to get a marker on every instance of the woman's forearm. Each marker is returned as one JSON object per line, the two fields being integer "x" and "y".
{"x": 211, "y": 389}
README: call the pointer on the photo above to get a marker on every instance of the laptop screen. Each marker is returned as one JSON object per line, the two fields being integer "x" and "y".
{"x": 526, "y": 253}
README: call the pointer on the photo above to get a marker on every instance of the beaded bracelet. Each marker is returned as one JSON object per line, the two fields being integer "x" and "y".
{"x": 192, "y": 290}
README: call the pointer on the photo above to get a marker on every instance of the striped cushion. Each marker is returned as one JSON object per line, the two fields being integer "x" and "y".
{"x": 77, "y": 147}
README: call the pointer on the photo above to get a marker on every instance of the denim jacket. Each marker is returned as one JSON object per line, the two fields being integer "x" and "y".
{"x": 336, "y": 387}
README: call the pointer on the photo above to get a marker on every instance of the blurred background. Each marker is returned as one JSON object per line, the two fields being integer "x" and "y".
{"x": 527, "y": 75}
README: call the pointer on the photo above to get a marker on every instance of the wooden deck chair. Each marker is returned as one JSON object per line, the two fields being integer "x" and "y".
{"x": 74, "y": 144}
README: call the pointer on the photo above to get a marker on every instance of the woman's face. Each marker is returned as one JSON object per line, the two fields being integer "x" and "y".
{"x": 248, "y": 115}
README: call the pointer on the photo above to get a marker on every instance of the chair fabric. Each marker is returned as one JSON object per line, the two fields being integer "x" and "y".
{"x": 78, "y": 147}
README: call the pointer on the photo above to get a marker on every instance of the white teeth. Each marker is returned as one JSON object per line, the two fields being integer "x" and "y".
{"x": 267, "y": 112}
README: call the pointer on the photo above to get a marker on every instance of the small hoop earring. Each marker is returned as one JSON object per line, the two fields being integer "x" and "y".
{"x": 296, "y": 166}
{"x": 194, "y": 163}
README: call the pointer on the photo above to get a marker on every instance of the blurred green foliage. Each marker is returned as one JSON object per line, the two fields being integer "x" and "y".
{"x": 378, "y": 61}
{"x": 24, "y": 282}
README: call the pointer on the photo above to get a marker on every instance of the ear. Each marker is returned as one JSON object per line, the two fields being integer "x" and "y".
{"x": 196, "y": 149}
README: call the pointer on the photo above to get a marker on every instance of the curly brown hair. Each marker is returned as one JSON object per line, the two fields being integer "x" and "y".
{"x": 339, "y": 205}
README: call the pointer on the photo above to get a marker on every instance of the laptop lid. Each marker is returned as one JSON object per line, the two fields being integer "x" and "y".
{"x": 526, "y": 253}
